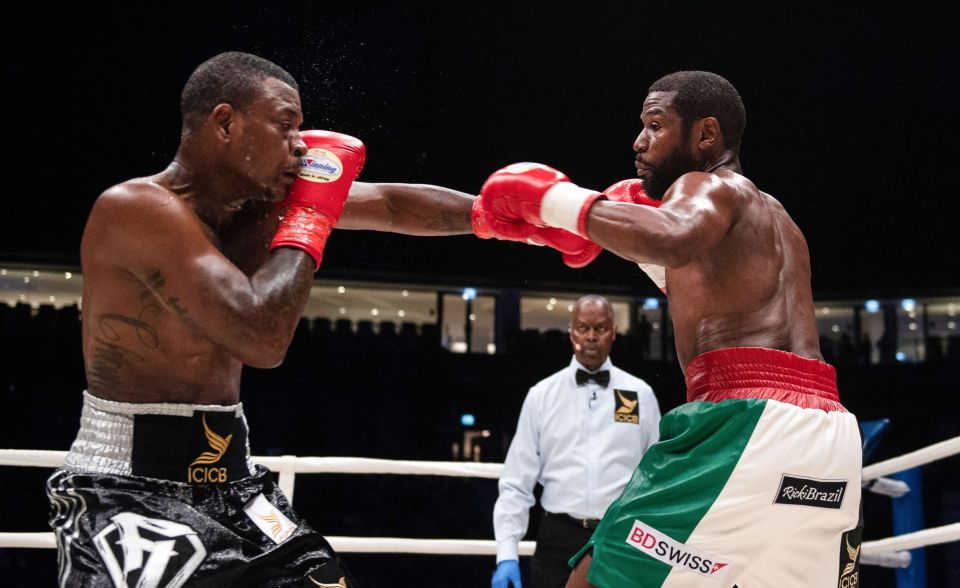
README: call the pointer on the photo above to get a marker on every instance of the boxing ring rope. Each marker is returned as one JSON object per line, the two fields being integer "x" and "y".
{"x": 913, "y": 459}
{"x": 890, "y": 551}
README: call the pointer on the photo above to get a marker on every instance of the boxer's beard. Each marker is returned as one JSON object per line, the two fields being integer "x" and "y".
{"x": 662, "y": 175}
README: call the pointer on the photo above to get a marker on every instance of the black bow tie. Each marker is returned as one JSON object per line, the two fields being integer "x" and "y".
{"x": 602, "y": 377}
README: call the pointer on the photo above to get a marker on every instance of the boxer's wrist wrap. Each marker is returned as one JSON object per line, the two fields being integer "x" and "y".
{"x": 303, "y": 227}
{"x": 565, "y": 205}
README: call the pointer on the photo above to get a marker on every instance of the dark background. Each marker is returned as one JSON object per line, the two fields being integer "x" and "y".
{"x": 850, "y": 114}
{"x": 850, "y": 122}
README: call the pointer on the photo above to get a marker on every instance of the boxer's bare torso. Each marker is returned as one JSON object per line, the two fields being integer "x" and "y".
{"x": 737, "y": 267}
{"x": 173, "y": 308}
{"x": 738, "y": 270}
{"x": 752, "y": 288}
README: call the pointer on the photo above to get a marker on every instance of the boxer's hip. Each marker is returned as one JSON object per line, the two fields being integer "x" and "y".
{"x": 184, "y": 443}
{"x": 761, "y": 464}
{"x": 761, "y": 373}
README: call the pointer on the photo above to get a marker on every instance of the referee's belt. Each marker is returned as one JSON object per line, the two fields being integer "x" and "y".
{"x": 589, "y": 524}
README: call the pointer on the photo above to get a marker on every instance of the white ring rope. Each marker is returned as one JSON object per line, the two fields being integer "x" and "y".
{"x": 907, "y": 541}
{"x": 913, "y": 459}
{"x": 344, "y": 544}
{"x": 301, "y": 465}
{"x": 289, "y": 465}
{"x": 897, "y": 559}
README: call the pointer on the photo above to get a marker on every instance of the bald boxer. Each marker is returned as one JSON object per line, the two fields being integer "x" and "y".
{"x": 188, "y": 275}
{"x": 756, "y": 480}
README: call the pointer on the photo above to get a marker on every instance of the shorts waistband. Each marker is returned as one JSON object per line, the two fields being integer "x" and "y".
{"x": 758, "y": 372}
{"x": 192, "y": 443}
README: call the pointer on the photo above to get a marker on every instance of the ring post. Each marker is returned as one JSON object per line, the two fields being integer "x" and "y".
{"x": 907, "y": 518}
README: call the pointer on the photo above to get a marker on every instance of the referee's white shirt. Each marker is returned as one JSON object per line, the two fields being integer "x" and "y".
{"x": 569, "y": 440}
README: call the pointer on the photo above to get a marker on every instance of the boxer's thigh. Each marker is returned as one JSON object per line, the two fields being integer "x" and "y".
{"x": 644, "y": 534}
{"x": 791, "y": 503}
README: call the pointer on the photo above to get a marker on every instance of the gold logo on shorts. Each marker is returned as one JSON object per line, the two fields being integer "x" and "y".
{"x": 276, "y": 527}
{"x": 850, "y": 557}
{"x": 626, "y": 411}
{"x": 854, "y": 555}
{"x": 206, "y": 475}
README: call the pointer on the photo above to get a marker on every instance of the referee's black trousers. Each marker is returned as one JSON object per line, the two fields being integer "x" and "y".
{"x": 558, "y": 539}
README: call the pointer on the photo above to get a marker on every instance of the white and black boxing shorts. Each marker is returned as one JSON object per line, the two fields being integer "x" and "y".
{"x": 165, "y": 495}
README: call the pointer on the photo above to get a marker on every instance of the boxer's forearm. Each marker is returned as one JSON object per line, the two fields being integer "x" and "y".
{"x": 637, "y": 233}
{"x": 680, "y": 231}
{"x": 247, "y": 241}
{"x": 410, "y": 209}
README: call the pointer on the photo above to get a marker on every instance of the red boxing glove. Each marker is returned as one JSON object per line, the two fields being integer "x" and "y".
{"x": 577, "y": 251}
{"x": 314, "y": 203}
{"x": 630, "y": 191}
{"x": 623, "y": 191}
{"x": 487, "y": 226}
{"x": 539, "y": 195}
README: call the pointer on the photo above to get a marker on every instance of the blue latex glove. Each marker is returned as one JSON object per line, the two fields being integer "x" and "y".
{"x": 506, "y": 574}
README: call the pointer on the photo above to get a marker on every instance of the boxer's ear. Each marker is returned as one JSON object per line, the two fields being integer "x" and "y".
{"x": 223, "y": 118}
{"x": 708, "y": 132}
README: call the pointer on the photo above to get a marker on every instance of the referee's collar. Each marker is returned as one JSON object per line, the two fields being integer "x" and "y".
{"x": 576, "y": 365}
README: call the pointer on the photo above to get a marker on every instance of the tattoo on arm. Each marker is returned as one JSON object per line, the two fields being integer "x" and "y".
{"x": 157, "y": 283}
{"x": 445, "y": 221}
{"x": 436, "y": 214}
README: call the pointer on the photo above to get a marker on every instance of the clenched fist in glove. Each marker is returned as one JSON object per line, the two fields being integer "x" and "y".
{"x": 539, "y": 195}
{"x": 576, "y": 250}
{"x": 315, "y": 201}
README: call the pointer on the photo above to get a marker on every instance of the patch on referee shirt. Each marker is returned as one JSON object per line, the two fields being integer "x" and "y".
{"x": 626, "y": 407}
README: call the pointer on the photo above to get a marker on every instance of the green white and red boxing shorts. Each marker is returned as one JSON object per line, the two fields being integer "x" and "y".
{"x": 755, "y": 482}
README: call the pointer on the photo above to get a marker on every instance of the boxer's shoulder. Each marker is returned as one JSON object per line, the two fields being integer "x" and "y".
{"x": 137, "y": 208}
{"x": 136, "y": 192}
{"x": 723, "y": 187}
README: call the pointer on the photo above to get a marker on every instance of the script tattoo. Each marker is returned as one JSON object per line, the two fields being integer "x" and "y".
{"x": 109, "y": 353}
{"x": 445, "y": 221}
{"x": 157, "y": 283}
{"x": 147, "y": 335}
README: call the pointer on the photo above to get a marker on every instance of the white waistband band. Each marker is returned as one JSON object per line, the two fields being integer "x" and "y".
{"x": 104, "y": 443}
{"x": 168, "y": 408}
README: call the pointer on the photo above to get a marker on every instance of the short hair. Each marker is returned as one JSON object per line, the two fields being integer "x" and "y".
{"x": 233, "y": 77}
{"x": 700, "y": 94}
{"x": 598, "y": 299}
